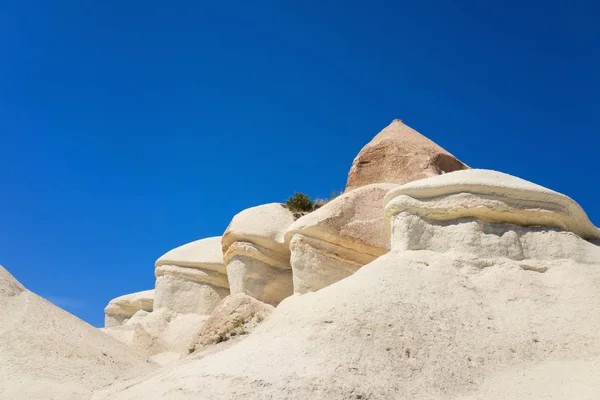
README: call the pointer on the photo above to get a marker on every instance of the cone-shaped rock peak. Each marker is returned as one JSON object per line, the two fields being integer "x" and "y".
{"x": 399, "y": 154}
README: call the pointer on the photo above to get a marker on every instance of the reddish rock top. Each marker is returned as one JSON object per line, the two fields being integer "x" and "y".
{"x": 399, "y": 154}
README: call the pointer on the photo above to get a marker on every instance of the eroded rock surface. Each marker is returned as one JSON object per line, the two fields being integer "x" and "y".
{"x": 334, "y": 241}
{"x": 256, "y": 255}
{"x": 122, "y": 308}
{"x": 399, "y": 154}
{"x": 237, "y": 315}
{"x": 500, "y": 215}
{"x": 478, "y": 303}
{"x": 191, "y": 279}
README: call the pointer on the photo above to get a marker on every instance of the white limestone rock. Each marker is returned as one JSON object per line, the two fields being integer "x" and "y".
{"x": 334, "y": 241}
{"x": 256, "y": 255}
{"x": 122, "y": 308}
{"x": 476, "y": 304}
{"x": 191, "y": 279}
{"x": 498, "y": 215}
{"x": 162, "y": 335}
{"x": 493, "y": 196}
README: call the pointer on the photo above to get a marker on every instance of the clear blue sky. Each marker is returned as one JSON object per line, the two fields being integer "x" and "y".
{"x": 128, "y": 128}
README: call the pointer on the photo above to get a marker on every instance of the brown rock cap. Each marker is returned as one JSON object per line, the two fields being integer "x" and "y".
{"x": 399, "y": 154}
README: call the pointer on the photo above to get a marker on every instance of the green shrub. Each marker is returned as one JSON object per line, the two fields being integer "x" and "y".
{"x": 300, "y": 203}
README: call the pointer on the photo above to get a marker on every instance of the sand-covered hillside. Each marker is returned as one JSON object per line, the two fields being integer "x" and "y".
{"x": 47, "y": 353}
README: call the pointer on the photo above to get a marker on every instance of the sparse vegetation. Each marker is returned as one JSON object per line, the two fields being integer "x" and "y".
{"x": 192, "y": 349}
{"x": 300, "y": 203}
{"x": 221, "y": 338}
{"x": 237, "y": 329}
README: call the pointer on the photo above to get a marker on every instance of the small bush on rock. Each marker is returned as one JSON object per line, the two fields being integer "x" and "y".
{"x": 300, "y": 203}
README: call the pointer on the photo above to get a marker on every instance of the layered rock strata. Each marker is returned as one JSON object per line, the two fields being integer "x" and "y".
{"x": 191, "y": 279}
{"x": 490, "y": 291}
{"x": 256, "y": 255}
{"x": 488, "y": 214}
{"x": 334, "y": 241}
{"x": 121, "y": 309}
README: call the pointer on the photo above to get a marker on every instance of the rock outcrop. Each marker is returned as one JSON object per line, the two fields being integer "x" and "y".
{"x": 399, "y": 154}
{"x": 191, "y": 279}
{"x": 500, "y": 215}
{"x": 47, "y": 353}
{"x": 334, "y": 241}
{"x": 236, "y": 315}
{"x": 490, "y": 291}
{"x": 256, "y": 255}
{"x": 120, "y": 310}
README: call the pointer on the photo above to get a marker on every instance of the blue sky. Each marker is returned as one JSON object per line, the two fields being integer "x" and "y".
{"x": 129, "y": 128}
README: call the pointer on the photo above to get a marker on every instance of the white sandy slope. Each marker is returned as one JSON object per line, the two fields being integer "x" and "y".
{"x": 47, "y": 353}
{"x": 413, "y": 325}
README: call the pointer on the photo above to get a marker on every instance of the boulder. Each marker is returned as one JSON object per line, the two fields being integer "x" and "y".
{"x": 121, "y": 309}
{"x": 237, "y": 315}
{"x": 337, "y": 239}
{"x": 191, "y": 278}
{"x": 47, "y": 353}
{"x": 495, "y": 296}
{"x": 256, "y": 255}
{"x": 399, "y": 154}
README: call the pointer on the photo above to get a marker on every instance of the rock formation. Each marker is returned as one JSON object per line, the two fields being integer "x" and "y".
{"x": 500, "y": 216}
{"x": 47, "y": 353}
{"x": 256, "y": 255}
{"x": 191, "y": 279}
{"x": 334, "y": 241}
{"x": 399, "y": 154}
{"x": 121, "y": 309}
{"x": 490, "y": 291}
{"x": 483, "y": 195}
{"x": 236, "y": 315}
{"x": 464, "y": 285}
